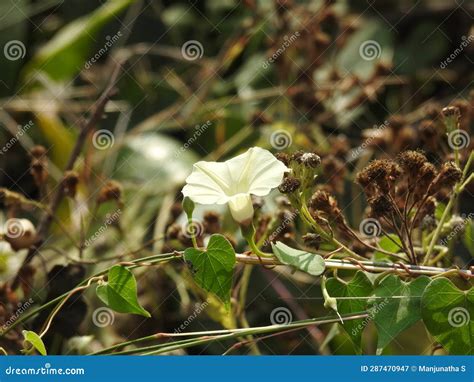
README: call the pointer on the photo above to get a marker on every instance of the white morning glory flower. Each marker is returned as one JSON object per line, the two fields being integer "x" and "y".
{"x": 256, "y": 172}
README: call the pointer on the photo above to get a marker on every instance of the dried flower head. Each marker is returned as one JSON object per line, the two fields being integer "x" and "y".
{"x": 380, "y": 173}
{"x": 325, "y": 202}
{"x": 411, "y": 162}
{"x": 211, "y": 221}
{"x": 425, "y": 176}
{"x": 289, "y": 185}
{"x": 284, "y": 158}
{"x": 310, "y": 160}
{"x": 380, "y": 205}
{"x": 448, "y": 176}
{"x": 70, "y": 182}
{"x": 112, "y": 190}
{"x": 39, "y": 165}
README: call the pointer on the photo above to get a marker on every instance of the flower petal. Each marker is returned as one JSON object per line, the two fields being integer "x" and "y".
{"x": 256, "y": 172}
{"x": 241, "y": 207}
{"x": 208, "y": 183}
{"x": 266, "y": 173}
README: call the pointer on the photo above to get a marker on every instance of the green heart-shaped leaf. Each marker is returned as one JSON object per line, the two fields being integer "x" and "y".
{"x": 35, "y": 341}
{"x": 355, "y": 295}
{"x": 120, "y": 292}
{"x": 448, "y": 314}
{"x": 397, "y": 307}
{"x": 302, "y": 260}
{"x": 213, "y": 268}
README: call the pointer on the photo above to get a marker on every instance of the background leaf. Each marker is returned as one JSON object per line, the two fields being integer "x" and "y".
{"x": 65, "y": 55}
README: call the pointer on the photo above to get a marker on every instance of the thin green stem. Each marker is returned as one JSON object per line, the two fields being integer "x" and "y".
{"x": 447, "y": 210}
{"x": 219, "y": 335}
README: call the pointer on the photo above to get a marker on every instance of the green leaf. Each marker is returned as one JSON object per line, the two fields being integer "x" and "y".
{"x": 302, "y": 260}
{"x": 120, "y": 292}
{"x": 35, "y": 340}
{"x": 448, "y": 314}
{"x": 397, "y": 307}
{"x": 388, "y": 243}
{"x": 213, "y": 268}
{"x": 468, "y": 237}
{"x": 65, "y": 54}
{"x": 358, "y": 291}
